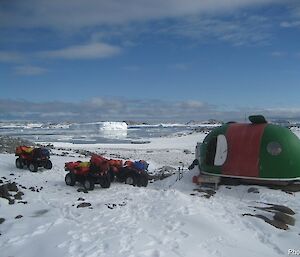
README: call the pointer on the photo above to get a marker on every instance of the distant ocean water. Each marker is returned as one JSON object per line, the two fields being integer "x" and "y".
{"x": 91, "y": 133}
{"x": 98, "y": 132}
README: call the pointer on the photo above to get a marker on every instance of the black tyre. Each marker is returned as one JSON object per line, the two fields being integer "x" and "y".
{"x": 48, "y": 165}
{"x": 33, "y": 167}
{"x": 105, "y": 181}
{"x": 89, "y": 184}
{"x": 111, "y": 176}
{"x": 70, "y": 179}
{"x": 143, "y": 181}
{"x": 131, "y": 180}
{"x": 19, "y": 163}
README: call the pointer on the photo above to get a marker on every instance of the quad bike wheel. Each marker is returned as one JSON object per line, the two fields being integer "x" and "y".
{"x": 142, "y": 181}
{"x": 70, "y": 179}
{"x": 89, "y": 184}
{"x": 19, "y": 163}
{"x": 105, "y": 182}
{"x": 48, "y": 165}
{"x": 33, "y": 167}
{"x": 112, "y": 176}
{"x": 130, "y": 180}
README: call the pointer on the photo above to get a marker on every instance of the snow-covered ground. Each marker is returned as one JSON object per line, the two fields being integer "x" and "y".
{"x": 168, "y": 218}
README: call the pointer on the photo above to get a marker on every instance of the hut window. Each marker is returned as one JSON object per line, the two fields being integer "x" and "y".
{"x": 221, "y": 151}
{"x": 274, "y": 148}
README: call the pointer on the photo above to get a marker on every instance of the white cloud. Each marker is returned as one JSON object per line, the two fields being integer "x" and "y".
{"x": 6, "y": 56}
{"x": 62, "y": 14}
{"x": 285, "y": 112}
{"x": 237, "y": 30}
{"x": 278, "y": 54}
{"x": 107, "y": 108}
{"x": 192, "y": 104}
{"x": 96, "y": 102}
{"x": 87, "y": 51}
{"x": 290, "y": 24}
{"x": 29, "y": 70}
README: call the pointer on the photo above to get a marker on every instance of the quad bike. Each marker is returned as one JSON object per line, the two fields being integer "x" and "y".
{"x": 132, "y": 173}
{"x": 114, "y": 168}
{"x": 88, "y": 173}
{"x": 32, "y": 158}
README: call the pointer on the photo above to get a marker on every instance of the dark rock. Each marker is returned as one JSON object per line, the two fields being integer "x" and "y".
{"x": 1, "y": 181}
{"x": 288, "y": 192}
{"x": 40, "y": 212}
{"x": 80, "y": 199}
{"x": 276, "y": 207}
{"x": 277, "y": 224}
{"x": 228, "y": 187}
{"x": 4, "y": 178}
{"x": 206, "y": 196}
{"x": 82, "y": 190}
{"x": 110, "y": 206}
{"x": 19, "y": 217}
{"x": 11, "y": 174}
{"x": 82, "y": 205}
{"x": 24, "y": 202}
{"x": 186, "y": 151}
{"x": 274, "y": 223}
{"x": 253, "y": 190}
{"x": 12, "y": 187}
{"x": 4, "y": 192}
{"x": 287, "y": 219}
{"x": 32, "y": 189}
{"x": 2, "y": 220}
{"x": 18, "y": 196}
{"x": 207, "y": 191}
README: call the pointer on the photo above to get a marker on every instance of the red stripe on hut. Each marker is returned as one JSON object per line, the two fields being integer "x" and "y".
{"x": 243, "y": 150}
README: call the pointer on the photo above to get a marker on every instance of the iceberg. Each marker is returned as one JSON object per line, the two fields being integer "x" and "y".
{"x": 112, "y": 125}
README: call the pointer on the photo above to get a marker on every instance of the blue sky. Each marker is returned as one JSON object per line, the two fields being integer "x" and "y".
{"x": 149, "y": 60}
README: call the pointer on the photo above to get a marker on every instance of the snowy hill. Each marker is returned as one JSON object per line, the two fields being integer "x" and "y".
{"x": 168, "y": 218}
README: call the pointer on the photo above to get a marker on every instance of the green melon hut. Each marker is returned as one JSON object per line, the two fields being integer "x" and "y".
{"x": 256, "y": 150}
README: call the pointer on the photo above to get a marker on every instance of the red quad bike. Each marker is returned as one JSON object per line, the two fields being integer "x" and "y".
{"x": 133, "y": 173}
{"x": 32, "y": 158}
{"x": 115, "y": 167}
{"x": 88, "y": 173}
